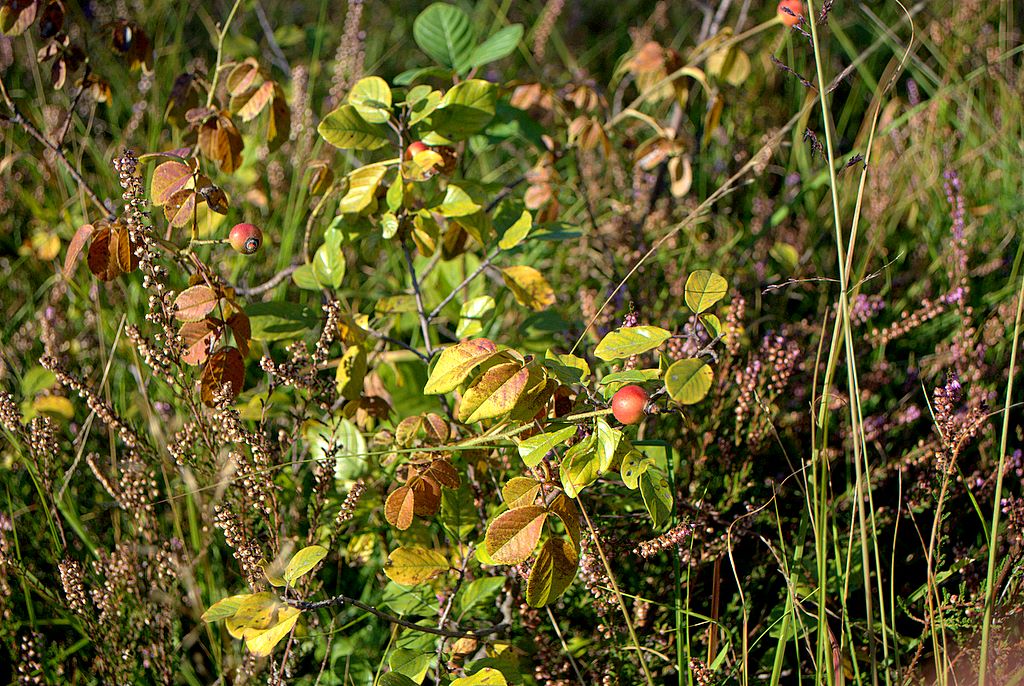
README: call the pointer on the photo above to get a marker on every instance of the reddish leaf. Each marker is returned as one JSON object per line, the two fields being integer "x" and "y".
{"x": 493, "y": 393}
{"x": 513, "y": 535}
{"x": 398, "y": 508}
{"x": 195, "y": 303}
{"x": 199, "y": 337}
{"x": 249, "y": 104}
{"x": 224, "y": 368}
{"x": 436, "y": 428}
{"x": 122, "y": 250}
{"x": 180, "y": 207}
{"x": 443, "y": 472}
{"x": 168, "y": 179}
{"x": 221, "y": 142}
{"x": 78, "y": 241}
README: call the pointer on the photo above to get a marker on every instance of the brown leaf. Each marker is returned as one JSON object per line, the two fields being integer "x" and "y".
{"x": 100, "y": 259}
{"x": 78, "y": 241}
{"x": 17, "y": 15}
{"x": 426, "y": 496}
{"x": 443, "y": 472}
{"x": 224, "y": 368}
{"x": 242, "y": 76}
{"x": 122, "y": 249}
{"x": 249, "y": 104}
{"x": 239, "y": 324}
{"x": 279, "y": 122}
{"x": 193, "y": 304}
{"x": 221, "y": 142}
{"x": 52, "y": 19}
{"x": 398, "y": 508}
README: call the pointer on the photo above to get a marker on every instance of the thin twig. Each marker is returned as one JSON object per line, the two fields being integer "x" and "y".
{"x": 18, "y": 118}
{"x": 420, "y": 310}
{"x": 273, "y": 281}
{"x": 465, "y": 282}
{"x": 339, "y": 600}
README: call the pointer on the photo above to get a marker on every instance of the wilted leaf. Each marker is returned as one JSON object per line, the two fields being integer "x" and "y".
{"x": 78, "y": 241}
{"x": 180, "y": 208}
{"x": 630, "y": 340}
{"x": 411, "y": 565}
{"x": 512, "y": 536}
{"x": 240, "y": 327}
{"x": 249, "y": 104}
{"x": 529, "y": 287}
{"x": 101, "y": 261}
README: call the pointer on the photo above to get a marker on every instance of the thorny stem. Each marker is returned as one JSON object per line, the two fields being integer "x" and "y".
{"x": 220, "y": 52}
{"x": 18, "y": 118}
{"x": 339, "y": 600}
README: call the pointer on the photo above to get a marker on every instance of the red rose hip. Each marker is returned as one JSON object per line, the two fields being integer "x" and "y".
{"x": 246, "y": 238}
{"x": 795, "y": 13}
{"x": 628, "y": 404}
{"x": 414, "y": 148}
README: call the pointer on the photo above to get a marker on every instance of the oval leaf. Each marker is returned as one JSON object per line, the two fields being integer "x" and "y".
{"x": 513, "y": 535}
{"x": 552, "y": 572}
{"x": 629, "y": 341}
{"x": 446, "y": 34}
{"x": 262, "y": 643}
{"x": 529, "y": 287}
{"x": 534, "y": 448}
{"x": 344, "y": 128}
{"x": 411, "y": 565}
{"x": 704, "y": 289}
{"x": 688, "y": 381}
{"x": 456, "y": 363}
{"x": 493, "y": 393}
{"x": 303, "y": 561}
{"x": 399, "y": 507}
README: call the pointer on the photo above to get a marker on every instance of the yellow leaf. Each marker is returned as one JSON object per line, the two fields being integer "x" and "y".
{"x": 529, "y": 287}
{"x": 262, "y": 643}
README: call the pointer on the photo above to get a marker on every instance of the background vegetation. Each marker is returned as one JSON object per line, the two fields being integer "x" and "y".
{"x": 841, "y": 503}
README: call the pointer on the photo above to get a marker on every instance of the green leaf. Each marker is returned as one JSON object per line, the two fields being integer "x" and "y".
{"x": 224, "y": 608}
{"x": 712, "y": 324}
{"x": 344, "y": 128}
{"x": 411, "y": 565}
{"x": 704, "y": 289}
{"x": 518, "y": 232}
{"x": 305, "y": 279}
{"x": 630, "y": 340}
{"x": 500, "y": 44}
{"x": 688, "y": 381}
{"x": 567, "y": 368}
{"x": 422, "y": 109}
{"x": 512, "y": 536}
{"x": 395, "y": 679}
{"x": 630, "y": 376}
{"x": 634, "y": 465}
{"x": 458, "y": 514}
{"x": 362, "y": 188}
{"x": 479, "y": 591}
{"x": 657, "y": 496}
{"x": 411, "y": 663}
{"x": 493, "y": 393}
{"x": 302, "y": 562}
{"x": 456, "y": 363}
{"x": 410, "y": 75}
{"x": 471, "y": 316}
{"x": 278, "y": 321}
{"x": 371, "y": 98}
{"x": 329, "y": 260}
{"x": 488, "y": 676}
{"x": 465, "y": 109}
{"x": 446, "y": 34}
{"x": 457, "y": 203}
{"x": 552, "y": 572}
{"x": 534, "y": 448}
{"x": 396, "y": 194}
{"x": 608, "y": 440}
{"x": 580, "y": 467}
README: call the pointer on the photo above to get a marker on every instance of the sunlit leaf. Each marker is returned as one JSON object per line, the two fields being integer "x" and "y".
{"x": 193, "y": 304}
{"x": 704, "y": 289}
{"x": 471, "y": 315}
{"x": 303, "y": 561}
{"x": 344, "y": 128}
{"x": 465, "y": 109}
{"x": 512, "y": 536}
{"x": 362, "y": 188}
{"x": 515, "y": 234}
{"x": 224, "y": 608}
{"x": 688, "y": 381}
{"x": 168, "y": 179}
{"x": 493, "y": 393}
{"x": 456, "y": 363}
{"x": 262, "y": 644}
{"x": 534, "y": 448}
{"x": 520, "y": 491}
{"x": 488, "y": 676}
{"x": 411, "y": 565}
{"x": 657, "y": 496}
{"x": 371, "y": 98}
{"x": 630, "y": 340}
{"x": 634, "y": 465}
{"x": 552, "y": 572}
{"x": 581, "y": 466}
{"x": 398, "y": 508}
{"x": 529, "y": 287}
